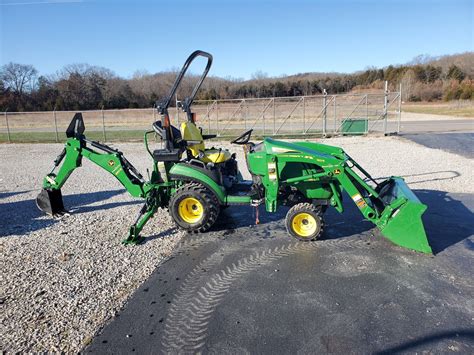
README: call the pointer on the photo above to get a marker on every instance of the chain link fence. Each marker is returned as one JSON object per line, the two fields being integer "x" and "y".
{"x": 319, "y": 115}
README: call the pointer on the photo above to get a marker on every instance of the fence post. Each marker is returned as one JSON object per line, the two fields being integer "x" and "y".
{"x": 399, "y": 108}
{"x": 56, "y": 125}
{"x": 8, "y": 127}
{"x": 217, "y": 117}
{"x": 335, "y": 115}
{"x": 304, "y": 115}
{"x": 246, "y": 117}
{"x": 325, "y": 94}
{"x": 103, "y": 125}
{"x": 274, "y": 116}
{"x": 385, "y": 104}
{"x": 208, "y": 119}
{"x": 367, "y": 111}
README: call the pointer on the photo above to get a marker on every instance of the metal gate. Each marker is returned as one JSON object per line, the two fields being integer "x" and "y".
{"x": 304, "y": 115}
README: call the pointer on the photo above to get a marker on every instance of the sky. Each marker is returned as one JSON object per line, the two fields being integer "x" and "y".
{"x": 275, "y": 37}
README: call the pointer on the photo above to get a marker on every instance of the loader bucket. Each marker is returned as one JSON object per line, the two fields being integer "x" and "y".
{"x": 401, "y": 219}
{"x": 51, "y": 202}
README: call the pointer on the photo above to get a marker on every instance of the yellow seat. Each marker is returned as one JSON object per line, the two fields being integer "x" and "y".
{"x": 195, "y": 144}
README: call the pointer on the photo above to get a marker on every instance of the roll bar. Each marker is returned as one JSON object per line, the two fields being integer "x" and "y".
{"x": 162, "y": 106}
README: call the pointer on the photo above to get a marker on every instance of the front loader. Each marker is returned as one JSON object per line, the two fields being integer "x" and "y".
{"x": 195, "y": 182}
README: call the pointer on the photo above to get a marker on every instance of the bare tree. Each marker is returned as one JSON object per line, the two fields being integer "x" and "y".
{"x": 408, "y": 82}
{"x": 259, "y": 75}
{"x": 19, "y": 78}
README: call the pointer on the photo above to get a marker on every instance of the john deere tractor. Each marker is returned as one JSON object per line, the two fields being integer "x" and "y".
{"x": 195, "y": 182}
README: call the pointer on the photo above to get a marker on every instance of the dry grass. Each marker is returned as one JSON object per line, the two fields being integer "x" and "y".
{"x": 456, "y": 109}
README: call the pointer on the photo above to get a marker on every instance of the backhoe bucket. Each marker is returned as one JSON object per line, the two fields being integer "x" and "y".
{"x": 401, "y": 219}
{"x": 51, "y": 202}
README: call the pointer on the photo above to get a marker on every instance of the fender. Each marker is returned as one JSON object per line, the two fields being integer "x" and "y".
{"x": 190, "y": 173}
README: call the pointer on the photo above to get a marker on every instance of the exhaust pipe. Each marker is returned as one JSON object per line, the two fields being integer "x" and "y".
{"x": 51, "y": 202}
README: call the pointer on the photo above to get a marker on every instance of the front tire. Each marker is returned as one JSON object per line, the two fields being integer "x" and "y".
{"x": 194, "y": 208}
{"x": 304, "y": 222}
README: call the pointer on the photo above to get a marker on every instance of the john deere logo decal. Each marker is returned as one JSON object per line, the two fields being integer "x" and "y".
{"x": 337, "y": 172}
{"x": 111, "y": 163}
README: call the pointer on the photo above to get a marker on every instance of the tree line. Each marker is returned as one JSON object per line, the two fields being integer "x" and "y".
{"x": 83, "y": 87}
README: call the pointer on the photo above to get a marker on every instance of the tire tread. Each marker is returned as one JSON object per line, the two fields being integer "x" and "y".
{"x": 304, "y": 207}
{"x": 210, "y": 201}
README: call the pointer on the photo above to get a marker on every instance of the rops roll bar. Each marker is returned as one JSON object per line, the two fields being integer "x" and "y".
{"x": 162, "y": 106}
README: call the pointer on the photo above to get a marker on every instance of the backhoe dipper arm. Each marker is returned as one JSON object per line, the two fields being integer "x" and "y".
{"x": 111, "y": 161}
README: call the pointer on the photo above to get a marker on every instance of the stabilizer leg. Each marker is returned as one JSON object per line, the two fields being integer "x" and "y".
{"x": 146, "y": 212}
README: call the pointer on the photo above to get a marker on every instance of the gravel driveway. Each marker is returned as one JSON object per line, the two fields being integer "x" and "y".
{"x": 63, "y": 279}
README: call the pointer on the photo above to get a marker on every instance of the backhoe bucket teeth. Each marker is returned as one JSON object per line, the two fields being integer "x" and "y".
{"x": 51, "y": 202}
{"x": 401, "y": 219}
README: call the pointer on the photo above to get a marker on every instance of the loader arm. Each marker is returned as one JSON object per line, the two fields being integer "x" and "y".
{"x": 390, "y": 205}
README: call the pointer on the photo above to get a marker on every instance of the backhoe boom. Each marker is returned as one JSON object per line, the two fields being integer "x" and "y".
{"x": 114, "y": 163}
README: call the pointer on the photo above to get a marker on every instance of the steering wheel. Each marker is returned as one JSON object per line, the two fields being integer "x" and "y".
{"x": 243, "y": 138}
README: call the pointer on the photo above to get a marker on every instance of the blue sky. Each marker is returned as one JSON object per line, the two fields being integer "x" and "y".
{"x": 276, "y": 37}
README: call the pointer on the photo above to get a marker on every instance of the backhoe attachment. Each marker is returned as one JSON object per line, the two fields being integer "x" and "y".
{"x": 76, "y": 148}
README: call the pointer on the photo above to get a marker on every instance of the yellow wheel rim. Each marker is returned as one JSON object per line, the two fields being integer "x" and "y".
{"x": 190, "y": 210}
{"x": 304, "y": 224}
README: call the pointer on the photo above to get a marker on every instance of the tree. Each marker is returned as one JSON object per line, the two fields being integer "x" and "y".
{"x": 432, "y": 73}
{"x": 420, "y": 74}
{"x": 408, "y": 82}
{"x": 117, "y": 93}
{"x": 19, "y": 78}
{"x": 454, "y": 72}
{"x": 259, "y": 75}
{"x": 46, "y": 94}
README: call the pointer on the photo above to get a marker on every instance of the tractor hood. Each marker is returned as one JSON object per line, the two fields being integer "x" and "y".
{"x": 311, "y": 151}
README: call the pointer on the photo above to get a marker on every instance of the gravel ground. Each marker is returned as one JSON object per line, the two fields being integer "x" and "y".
{"x": 63, "y": 279}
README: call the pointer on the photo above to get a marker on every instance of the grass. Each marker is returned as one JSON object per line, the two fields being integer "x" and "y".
{"x": 50, "y": 137}
{"x": 125, "y": 136}
{"x": 448, "y": 109}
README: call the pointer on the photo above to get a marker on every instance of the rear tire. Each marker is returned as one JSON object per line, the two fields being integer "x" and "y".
{"x": 194, "y": 208}
{"x": 304, "y": 222}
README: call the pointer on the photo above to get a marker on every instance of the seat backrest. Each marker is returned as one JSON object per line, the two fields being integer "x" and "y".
{"x": 192, "y": 135}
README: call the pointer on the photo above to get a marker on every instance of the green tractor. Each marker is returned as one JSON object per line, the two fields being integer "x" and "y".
{"x": 195, "y": 182}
